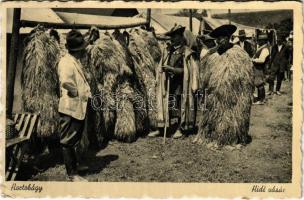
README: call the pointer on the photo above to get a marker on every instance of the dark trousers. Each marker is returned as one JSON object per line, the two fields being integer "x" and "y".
{"x": 174, "y": 106}
{"x": 288, "y": 74}
{"x": 261, "y": 93}
{"x": 70, "y": 134}
{"x": 280, "y": 78}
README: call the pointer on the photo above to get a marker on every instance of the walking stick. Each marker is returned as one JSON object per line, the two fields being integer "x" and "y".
{"x": 167, "y": 109}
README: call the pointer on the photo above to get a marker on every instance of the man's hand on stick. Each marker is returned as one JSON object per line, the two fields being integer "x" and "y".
{"x": 168, "y": 69}
{"x": 171, "y": 70}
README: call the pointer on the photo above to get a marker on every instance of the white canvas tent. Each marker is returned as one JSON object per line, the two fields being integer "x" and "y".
{"x": 75, "y": 18}
{"x": 50, "y": 16}
{"x": 163, "y": 23}
{"x": 214, "y": 23}
{"x": 30, "y": 14}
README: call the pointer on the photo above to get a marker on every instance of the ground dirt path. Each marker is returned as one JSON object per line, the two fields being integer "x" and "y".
{"x": 266, "y": 159}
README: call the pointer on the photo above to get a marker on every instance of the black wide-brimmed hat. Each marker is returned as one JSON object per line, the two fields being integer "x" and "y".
{"x": 242, "y": 33}
{"x": 75, "y": 41}
{"x": 177, "y": 29}
{"x": 224, "y": 30}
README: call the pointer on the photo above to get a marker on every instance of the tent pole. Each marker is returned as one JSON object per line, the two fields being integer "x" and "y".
{"x": 229, "y": 15}
{"x": 190, "y": 19}
{"x": 201, "y": 26}
{"x": 11, "y": 69}
{"x": 148, "y": 18}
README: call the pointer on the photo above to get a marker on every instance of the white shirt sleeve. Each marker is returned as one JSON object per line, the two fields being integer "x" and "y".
{"x": 262, "y": 57}
{"x": 242, "y": 44}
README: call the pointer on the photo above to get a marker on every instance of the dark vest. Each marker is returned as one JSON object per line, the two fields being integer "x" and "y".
{"x": 247, "y": 47}
{"x": 176, "y": 60}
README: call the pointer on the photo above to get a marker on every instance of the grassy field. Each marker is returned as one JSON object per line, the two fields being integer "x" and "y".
{"x": 266, "y": 159}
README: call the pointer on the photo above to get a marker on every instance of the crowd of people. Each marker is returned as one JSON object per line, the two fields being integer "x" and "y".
{"x": 272, "y": 63}
{"x": 178, "y": 75}
{"x": 272, "y": 59}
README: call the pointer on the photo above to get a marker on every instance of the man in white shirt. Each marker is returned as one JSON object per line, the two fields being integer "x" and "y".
{"x": 260, "y": 60}
{"x": 74, "y": 97}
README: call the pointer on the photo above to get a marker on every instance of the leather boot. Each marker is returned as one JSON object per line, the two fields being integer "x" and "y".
{"x": 70, "y": 161}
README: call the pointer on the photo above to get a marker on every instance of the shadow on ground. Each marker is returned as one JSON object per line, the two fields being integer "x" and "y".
{"x": 266, "y": 159}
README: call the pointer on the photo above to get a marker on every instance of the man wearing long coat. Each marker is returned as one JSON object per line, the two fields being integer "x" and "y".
{"x": 281, "y": 55}
{"x": 74, "y": 97}
{"x": 178, "y": 66}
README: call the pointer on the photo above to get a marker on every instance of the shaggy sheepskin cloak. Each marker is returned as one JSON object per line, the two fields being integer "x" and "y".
{"x": 228, "y": 79}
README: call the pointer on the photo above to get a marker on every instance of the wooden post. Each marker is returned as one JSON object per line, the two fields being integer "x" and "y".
{"x": 12, "y": 62}
{"x": 229, "y": 16}
{"x": 201, "y": 26}
{"x": 148, "y": 18}
{"x": 190, "y": 20}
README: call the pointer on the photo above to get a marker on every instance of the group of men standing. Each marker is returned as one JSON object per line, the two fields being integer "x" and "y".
{"x": 178, "y": 73}
{"x": 271, "y": 62}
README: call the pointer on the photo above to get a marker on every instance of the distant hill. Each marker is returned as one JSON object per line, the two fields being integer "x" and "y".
{"x": 257, "y": 19}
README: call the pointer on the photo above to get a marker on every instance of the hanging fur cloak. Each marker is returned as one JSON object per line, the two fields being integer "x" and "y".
{"x": 40, "y": 87}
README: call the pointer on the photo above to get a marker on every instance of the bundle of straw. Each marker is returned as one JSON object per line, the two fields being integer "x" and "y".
{"x": 40, "y": 81}
{"x": 229, "y": 80}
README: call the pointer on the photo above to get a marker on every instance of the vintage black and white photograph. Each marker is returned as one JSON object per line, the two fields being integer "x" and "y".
{"x": 149, "y": 95}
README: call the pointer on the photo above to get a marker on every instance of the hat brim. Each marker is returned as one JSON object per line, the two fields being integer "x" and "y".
{"x": 79, "y": 48}
{"x": 224, "y": 30}
{"x": 243, "y": 35}
{"x": 176, "y": 31}
{"x": 205, "y": 37}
